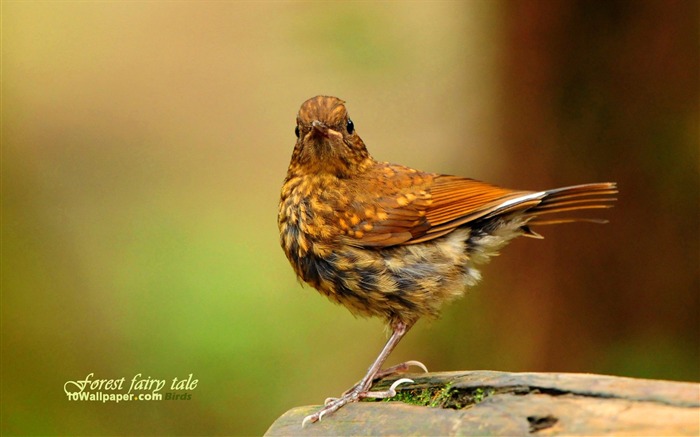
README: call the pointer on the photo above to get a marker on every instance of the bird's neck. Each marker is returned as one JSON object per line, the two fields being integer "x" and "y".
{"x": 330, "y": 169}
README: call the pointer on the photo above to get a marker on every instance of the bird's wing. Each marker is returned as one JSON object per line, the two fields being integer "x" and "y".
{"x": 413, "y": 207}
{"x": 457, "y": 201}
{"x": 406, "y": 206}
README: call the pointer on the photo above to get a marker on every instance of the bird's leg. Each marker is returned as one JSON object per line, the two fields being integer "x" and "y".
{"x": 361, "y": 389}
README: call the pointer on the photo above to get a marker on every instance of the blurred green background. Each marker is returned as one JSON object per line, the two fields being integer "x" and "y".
{"x": 144, "y": 145}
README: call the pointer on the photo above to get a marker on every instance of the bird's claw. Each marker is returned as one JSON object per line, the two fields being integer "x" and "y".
{"x": 353, "y": 395}
{"x": 390, "y": 393}
{"x": 331, "y": 407}
{"x": 400, "y": 368}
{"x": 308, "y": 419}
{"x": 417, "y": 364}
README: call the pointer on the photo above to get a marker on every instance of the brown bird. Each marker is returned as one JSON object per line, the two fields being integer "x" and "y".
{"x": 394, "y": 242}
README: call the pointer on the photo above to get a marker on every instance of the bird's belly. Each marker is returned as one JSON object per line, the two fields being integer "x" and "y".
{"x": 401, "y": 283}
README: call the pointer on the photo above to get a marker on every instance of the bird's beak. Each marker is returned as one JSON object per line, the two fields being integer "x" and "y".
{"x": 324, "y": 130}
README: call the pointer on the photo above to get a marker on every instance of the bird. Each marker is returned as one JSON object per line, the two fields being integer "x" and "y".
{"x": 389, "y": 241}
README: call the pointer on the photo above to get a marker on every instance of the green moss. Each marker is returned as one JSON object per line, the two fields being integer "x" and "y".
{"x": 480, "y": 394}
{"x": 445, "y": 397}
{"x": 413, "y": 397}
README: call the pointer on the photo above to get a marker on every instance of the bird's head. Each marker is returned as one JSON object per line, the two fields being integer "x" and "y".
{"x": 326, "y": 139}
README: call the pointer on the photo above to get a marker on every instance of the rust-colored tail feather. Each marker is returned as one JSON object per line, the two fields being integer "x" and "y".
{"x": 574, "y": 198}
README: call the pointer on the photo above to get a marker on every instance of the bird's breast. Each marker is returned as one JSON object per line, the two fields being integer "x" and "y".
{"x": 305, "y": 223}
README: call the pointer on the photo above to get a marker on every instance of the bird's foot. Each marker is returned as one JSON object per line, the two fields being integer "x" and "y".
{"x": 399, "y": 368}
{"x": 353, "y": 395}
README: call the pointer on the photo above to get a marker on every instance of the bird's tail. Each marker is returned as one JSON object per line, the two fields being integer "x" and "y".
{"x": 570, "y": 199}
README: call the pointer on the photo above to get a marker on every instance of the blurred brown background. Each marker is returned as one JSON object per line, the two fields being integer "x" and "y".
{"x": 144, "y": 145}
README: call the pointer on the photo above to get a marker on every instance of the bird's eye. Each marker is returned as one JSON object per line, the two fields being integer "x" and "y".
{"x": 296, "y": 131}
{"x": 350, "y": 126}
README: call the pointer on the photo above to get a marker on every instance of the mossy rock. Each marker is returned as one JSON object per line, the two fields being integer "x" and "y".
{"x": 499, "y": 403}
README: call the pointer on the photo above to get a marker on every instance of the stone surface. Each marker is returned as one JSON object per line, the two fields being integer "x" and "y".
{"x": 500, "y": 403}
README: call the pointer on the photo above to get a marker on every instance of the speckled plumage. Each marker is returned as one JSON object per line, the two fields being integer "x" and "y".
{"x": 390, "y": 241}
{"x": 383, "y": 239}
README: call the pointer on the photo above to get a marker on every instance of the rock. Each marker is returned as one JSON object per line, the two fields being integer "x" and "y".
{"x": 500, "y": 403}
